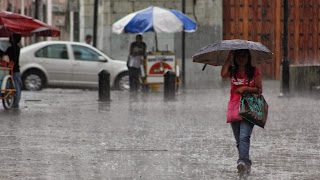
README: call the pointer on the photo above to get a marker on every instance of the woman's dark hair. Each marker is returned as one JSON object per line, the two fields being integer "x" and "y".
{"x": 249, "y": 68}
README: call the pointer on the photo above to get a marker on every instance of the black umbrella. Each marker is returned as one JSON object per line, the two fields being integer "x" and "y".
{"x": 216, "y": 54}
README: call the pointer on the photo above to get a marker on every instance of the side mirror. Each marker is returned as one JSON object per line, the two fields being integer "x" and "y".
{"x": 102, "y": 59}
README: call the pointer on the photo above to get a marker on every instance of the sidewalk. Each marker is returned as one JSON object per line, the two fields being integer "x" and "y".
{"x": 68, "y": 134}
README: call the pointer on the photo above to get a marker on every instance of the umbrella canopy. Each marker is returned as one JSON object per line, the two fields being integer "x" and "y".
{"x": 26, "y": 26}
{"x": 155, "y": 19}
{"x": 216, "y": 54}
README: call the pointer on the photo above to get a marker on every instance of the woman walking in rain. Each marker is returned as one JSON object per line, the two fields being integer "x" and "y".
{"x": 243, "y": 77}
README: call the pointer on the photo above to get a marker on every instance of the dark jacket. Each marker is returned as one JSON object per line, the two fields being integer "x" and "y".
{"x": 14, "y": 54}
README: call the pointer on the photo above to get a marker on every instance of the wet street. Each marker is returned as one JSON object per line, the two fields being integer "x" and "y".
{"x": 68, "y": 134}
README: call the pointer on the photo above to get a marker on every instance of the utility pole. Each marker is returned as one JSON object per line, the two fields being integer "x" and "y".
{"x": 49, "y": 15}
{"x": 36, "y": 16}
{"x": 23, "y": 42}
{"x": 22, "y": 7}
{"x": 71, "y": 25}
{"x": 183, "y": 46}
{"x": 49, "y": 12}
{"x": 74, "y": 19}
{"x": 285, "y": 60}
{"x": 36, "y": 9}
{"x": 95, "y": 22}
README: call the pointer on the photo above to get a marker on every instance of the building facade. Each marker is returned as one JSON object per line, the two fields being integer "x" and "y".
{"x": 207, "y": 14}
{"x": 57, "y": 12}
{"x": 263, "y": 21}
{"x": 74, "y": 18}
{"x": 260, "y": 20}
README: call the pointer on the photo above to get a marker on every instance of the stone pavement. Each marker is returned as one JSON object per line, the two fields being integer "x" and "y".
{"x": 68, "y": 134}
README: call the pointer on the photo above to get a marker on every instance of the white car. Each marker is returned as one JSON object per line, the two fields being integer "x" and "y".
{"x": 59, "y": 63}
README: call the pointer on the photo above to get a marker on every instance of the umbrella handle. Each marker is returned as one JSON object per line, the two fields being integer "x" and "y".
{"x": 204, "y": 67}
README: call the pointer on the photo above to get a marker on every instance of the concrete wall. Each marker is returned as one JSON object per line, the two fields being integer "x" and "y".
{"x": 194, "y": 75}
{"x": 304, "y": 78}
{"x": 207, "y": 14}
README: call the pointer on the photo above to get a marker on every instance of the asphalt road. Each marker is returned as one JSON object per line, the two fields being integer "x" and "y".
{"x": 68, "y": 134}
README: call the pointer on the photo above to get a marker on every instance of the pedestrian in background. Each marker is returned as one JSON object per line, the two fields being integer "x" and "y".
{"x": 13, "y": 53}
{"x": 89, "y": 39}
{"x": 137, "y": 52}
{"x": 243, "y": 77}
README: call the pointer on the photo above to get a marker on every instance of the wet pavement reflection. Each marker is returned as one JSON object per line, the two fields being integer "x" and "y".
{"x": 69, "y": 134}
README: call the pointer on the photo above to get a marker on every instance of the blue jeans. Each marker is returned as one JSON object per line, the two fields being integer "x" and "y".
{"x": 242, "y": 132}
{"x": 17, "y": 84}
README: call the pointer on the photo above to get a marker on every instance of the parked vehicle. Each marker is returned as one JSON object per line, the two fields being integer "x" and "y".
{"x": 60, "y": 63}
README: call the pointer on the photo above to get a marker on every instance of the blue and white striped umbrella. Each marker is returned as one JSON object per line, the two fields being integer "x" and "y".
{"x": 155, "y": 19}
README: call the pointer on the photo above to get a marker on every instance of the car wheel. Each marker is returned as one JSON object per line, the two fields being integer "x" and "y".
{"x": 122, "y": 82}
{"x": 33, "y": 80}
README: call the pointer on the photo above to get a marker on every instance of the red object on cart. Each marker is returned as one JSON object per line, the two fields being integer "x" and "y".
{"x": 26, "y": 26}
{"x": 6, "y": 64}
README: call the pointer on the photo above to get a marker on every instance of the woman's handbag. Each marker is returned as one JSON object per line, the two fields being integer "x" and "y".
{"x": 233, "y": 111}
{"x": 254, "y": 108}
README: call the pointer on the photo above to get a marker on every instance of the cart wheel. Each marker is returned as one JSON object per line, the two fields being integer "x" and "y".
{"x": 8, "y": 102}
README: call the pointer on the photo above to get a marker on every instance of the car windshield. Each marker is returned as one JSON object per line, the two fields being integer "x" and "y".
{"x": 85, "y": 53}
{"x": 102, "y": 51}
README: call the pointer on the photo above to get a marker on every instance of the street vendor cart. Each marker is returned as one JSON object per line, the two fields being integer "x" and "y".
{"x": 156, "y": 65}
{"x": 157, "y": 20}
{"x": 7, "y": 91}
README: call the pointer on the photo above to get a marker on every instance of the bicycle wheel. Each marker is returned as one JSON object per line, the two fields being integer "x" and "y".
{"x": 8, "y": 102}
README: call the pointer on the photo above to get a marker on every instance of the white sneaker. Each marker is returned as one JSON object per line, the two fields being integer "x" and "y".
{"x": 242, "y": 168}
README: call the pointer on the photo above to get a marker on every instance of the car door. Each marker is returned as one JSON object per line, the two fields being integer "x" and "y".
{"x": 54, "y": 58}
{"x": 87, "y": 64}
